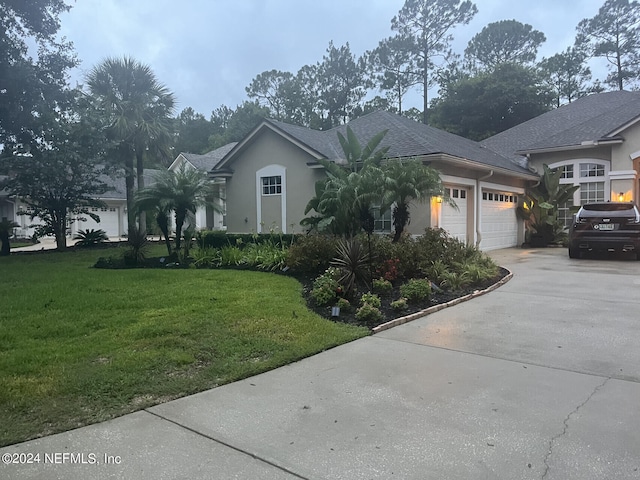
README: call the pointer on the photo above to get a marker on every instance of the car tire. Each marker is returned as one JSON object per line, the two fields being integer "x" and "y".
{"x": 574, "y": 253}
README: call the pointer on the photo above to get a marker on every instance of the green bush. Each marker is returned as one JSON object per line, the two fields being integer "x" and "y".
{"x": 371, "y": 299}
{"x": 344, "y": 304}
{"x": 219, "y": 239}
{"x": 416, "y": 290}
{"x": 400, "y": 304}
{"x": 369, "y": 314}
{"x": 326, "y": 288}
{"x": 311, "y": 253}
{"x": 382, "y": 286}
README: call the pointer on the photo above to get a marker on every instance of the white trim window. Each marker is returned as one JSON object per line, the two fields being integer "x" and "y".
{"x": 591, "y": 175}
{"x": 271, "y": 185}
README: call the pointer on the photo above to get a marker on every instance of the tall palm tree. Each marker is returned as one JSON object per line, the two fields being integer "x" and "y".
{"x": 138, "y": 111}
{"x": 182, "y": 192}
{"x": 404, "y": 182}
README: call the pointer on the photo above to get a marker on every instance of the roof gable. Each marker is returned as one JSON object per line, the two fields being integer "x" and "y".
{"x": 405, "y": 138}
{"x": 587, "y": 121}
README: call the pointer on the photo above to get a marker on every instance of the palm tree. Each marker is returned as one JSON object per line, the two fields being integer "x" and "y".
{"x": 404, "y": 182}
{"x": 138, "y": 111}
{"x": 343, "y": 200}
{"x": 182, "y": 192}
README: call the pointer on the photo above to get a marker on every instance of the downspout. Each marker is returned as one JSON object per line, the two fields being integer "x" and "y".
{"x": 479, "y": 207}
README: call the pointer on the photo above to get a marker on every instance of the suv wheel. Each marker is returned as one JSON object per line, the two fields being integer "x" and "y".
{"x": 574, "y": 253}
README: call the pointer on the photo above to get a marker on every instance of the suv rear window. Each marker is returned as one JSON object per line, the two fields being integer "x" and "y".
{"x": 608, "y": 207}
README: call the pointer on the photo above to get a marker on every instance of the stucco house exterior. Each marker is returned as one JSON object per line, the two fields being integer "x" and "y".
{"x": 207, "y": 218}
{"x": 594, "y": 140}
{"x": 270, "y": 176}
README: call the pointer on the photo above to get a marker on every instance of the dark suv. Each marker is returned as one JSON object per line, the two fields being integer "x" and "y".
{"x": 606, "y": 226}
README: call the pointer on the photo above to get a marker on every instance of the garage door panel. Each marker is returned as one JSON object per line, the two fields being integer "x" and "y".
{"x": 499, "y": 220}
{"x": 453, "y": 220}
{"x": 109, "y": 221}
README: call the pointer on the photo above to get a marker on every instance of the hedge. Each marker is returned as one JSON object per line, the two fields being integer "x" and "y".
{"x": 219, "y": 239}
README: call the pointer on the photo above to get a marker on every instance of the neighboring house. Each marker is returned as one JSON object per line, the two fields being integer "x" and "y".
{"x": 271, "y": 174}
{"x": 113, "y": 216}
{"x": 207, "y": 218}
{"x": 594, "y": 140}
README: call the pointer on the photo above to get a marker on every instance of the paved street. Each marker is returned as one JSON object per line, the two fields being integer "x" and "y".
{"x": 539, "y": 379}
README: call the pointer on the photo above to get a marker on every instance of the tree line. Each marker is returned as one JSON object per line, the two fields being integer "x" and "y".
{"x": 496, "y": 83}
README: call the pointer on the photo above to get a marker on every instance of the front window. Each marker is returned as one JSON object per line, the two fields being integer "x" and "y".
{"x": 272, "y": 185}
{"x": 591, "y": 170}
{"x": 564, "y": 213}
{"x": 566, "y": 171}
{"x": 591, "y": 192}
{"x": 382, "y": 223}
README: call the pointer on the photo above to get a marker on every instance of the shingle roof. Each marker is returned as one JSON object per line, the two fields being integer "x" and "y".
{"x": 405, "y": 138}
{"x": 588, "y": 119}
{"x": 117, "y": 189}
{"x": 210, "y": 159}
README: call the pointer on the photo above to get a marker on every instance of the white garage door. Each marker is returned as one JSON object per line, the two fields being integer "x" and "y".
{"x": 499, "y": 220}
{"x": 109, "y": 221}
{"x": 454, "y": 220}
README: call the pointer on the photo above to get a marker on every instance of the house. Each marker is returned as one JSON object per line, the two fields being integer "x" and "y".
{"x": 594, "y": 140}
{"x": 270, "y": 176}
{"x": 207, "y": 218}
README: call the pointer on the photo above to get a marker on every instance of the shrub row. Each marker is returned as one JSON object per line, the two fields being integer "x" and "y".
{"x": 218, "y": 239}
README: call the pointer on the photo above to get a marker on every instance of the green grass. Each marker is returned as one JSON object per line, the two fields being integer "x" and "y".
{"x": 80, "y": 345}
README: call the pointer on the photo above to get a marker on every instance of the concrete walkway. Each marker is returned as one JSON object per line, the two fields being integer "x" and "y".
{"x": 539, "y": 379}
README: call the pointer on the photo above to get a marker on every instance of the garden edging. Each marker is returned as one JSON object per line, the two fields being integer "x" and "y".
{"x": 436, "y": 308}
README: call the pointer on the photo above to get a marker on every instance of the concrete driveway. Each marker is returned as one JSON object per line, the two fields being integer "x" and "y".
{"x": 539, "y": 379}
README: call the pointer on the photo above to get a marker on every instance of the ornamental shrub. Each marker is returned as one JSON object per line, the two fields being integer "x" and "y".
{"x": 369, "y": 314}
{"x": 382, "y": 286}
{"x": 371, "y": 299}
{"x": 416, "y": 290}
{"x": 326, "y": 288}
{"x": 400, "y": 304}
{"x": 311, "y": 253}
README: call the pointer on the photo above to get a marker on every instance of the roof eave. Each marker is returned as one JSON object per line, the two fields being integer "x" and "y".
{"x": 480, "y": 166}
{"x": 585, "y": 145}
{"x": 240, "y": 146}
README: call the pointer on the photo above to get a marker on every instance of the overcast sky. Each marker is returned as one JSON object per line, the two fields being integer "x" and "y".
{"x": 208, "y": 51}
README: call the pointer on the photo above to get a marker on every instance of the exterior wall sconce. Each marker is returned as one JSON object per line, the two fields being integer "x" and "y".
{"x": 621, "y": 197}
{"x": 438, "y": 199}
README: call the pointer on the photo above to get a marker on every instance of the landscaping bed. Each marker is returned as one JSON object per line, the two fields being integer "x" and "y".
{"x": 388, "y": 312}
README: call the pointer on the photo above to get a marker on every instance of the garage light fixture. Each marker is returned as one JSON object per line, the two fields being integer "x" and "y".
{"x": 621, "y": 197}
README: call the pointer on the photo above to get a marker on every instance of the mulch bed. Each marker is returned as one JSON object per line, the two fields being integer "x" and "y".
{"x": 388, "y": 312}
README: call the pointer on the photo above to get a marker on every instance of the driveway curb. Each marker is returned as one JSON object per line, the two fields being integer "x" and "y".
{"x": 436, "y": 308}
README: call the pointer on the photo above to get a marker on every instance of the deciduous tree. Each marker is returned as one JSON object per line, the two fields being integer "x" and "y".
{"x": 33, "y": 69}
{"x": 59, "y": 180}
{"x": 481, "y": 106}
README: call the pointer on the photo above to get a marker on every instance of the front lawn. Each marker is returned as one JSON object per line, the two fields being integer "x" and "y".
{"x": 80, "y": 345}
